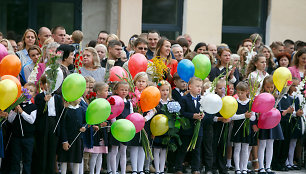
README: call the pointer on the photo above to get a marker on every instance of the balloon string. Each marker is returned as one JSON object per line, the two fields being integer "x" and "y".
{"x": 76, "y": 137}
{"x": 100, "y": 129}
{"x": 59, "y": 120}
{"x": 239, "y": 127}
{"x": 8, "y": 142}
{"x": 221, "y": 133}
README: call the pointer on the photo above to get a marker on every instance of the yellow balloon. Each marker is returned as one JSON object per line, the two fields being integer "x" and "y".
{"x": 8, "y": 93}
{"x": 229, "y": 106}
{"x": 280, "y": 77}
{"x": 159, "y": 125}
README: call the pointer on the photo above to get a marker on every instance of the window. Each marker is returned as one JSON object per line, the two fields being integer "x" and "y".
{"x": 164, "y": 16}
{"x": 241, "y": 18}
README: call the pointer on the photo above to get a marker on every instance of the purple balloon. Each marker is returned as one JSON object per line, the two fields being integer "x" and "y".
{"x": 3, "y": 51}
{"x": 138, "y": 121}
{"x": 264, "y": 102}
{"x": 269, "y": 119}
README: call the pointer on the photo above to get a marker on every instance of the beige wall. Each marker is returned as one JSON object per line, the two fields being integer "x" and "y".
{"x": 286, "y": 20}
{"x": 130, "y": 19}
{"x": 203, "y": 20}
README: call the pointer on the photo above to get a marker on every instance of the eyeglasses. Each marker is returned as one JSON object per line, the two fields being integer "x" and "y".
{"x": 142, "y": 48}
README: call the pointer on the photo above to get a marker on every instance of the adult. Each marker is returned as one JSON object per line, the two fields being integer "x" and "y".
{"x": 43, "y": 34}
{"x": 248, "y": 44}
{"x": 8, "y": 46}
{"x": 288, "y": 46}
{"x": 224, "y": 55}
{"x": 242, "y": 52}
{"x": 102, "y": 36}
{"x": 200, "y": 48}
{"x": 29, "y": 39}
{"x": 141, "y": 46}
{"x": 59, "y": 34}
{"x": 163, "y": 50}
{"x": 284, "y": 59}
{"x": 277, "y": 47}
{"x": 255, "y": 37}
{"x": 102, "y": 51}
{"x": 68, "y": 39}
{"x": 34, "y": 53}
{"x": 267, "y": 52}
{"x": 1, "y": 36}
{"x": 112, "y": 37}
{"x": 91, "y": 65}
{"x": 14, "y": 45}
{"x": 189, "y": 40}
{"x": 129, "y": 49}
{"x": 177, "y": 51}
{"x": 114, "y": 48}
{"x": 298, "y": 65}
{"x": 212, "y": 49}
{"x": 184, "y": 44}
{"x": 153, "y": 38}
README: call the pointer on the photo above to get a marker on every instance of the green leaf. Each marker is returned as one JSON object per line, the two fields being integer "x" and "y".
{"x": 185, "y": 123}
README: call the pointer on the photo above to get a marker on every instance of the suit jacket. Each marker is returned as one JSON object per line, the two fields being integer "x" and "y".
{"x": 176, "y": 96}
{"x": 187, "y": 110}
{"x": 41, "y": 122}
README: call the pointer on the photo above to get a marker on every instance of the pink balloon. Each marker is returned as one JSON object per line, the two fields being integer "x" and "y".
{"x": 270, "y": 119}
{"x": 117, "y": 70}
{"x": 117, "y": 106}
{"x": 3, "y": 51}
{"x": 264, "y": 102}
{"x": 137, "y": 63}
{"x": 138, "y": 121}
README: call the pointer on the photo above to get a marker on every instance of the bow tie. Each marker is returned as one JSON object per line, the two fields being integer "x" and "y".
{"x": 183, "y": 91}
{"x": 194, "y": 98}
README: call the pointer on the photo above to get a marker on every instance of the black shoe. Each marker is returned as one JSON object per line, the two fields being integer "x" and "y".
{"x": 237, "y": 172}
{"x": 147, "y": 171}
{"x": 231, "y": 168}
{"x": 269, "y": 171}
{"x": 295, "y": 167}
{"x": 250, "y": 172}
{"x": 262, "y": 171}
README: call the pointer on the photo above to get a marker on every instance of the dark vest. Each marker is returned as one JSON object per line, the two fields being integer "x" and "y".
{"x": 126, "y": 110}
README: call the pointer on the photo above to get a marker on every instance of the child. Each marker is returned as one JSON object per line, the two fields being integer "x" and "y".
{"x": 267, "y": 136}
{"x": 22, "y": 140}
{"x": 240, "y": 136}
{"x": 290, "y": 116}
{"x": 49, "y": 108}
{"x": 121, "y": 89}
{"x": 160, "y": 149}
{"x": 180, "y": 88}
{"x": 190, "y": 108}
{"x": 100, "y": 137}
{"x": 219, "y": 127}
{"x": 73, "y": 122}
{"x": 230, "y": 92}
{"x": 137, "y": 153}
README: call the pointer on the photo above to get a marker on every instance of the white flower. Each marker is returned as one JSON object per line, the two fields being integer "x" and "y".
{"x": 111, "y": 62}
{"x": 33, "y": 76}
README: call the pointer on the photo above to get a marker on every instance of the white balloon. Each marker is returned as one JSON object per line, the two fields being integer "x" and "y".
{"x": 59, "y": 78}
{"x": 211, "y": 103}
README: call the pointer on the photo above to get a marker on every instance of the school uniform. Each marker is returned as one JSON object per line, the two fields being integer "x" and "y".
{"x": 177, "y": 94}
{"x": 22, "y": 140}
{"x": 207, "y": 142}
{"x": 189, "y": 106}
{"x": 72, "y": 121}
{"x": 157, "y": 142}
{"x": 45, "y": 139}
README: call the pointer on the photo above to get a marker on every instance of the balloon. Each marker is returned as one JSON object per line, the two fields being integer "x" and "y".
{"x": 59, "y": 78}
{"x": 211, "y": 103}
{"x": 123, "y": 130}
{"x": 159, "y": 125}
{"x": 149, "y": 98}
{"x": 202, "y": 66}
{"x": 15, "y": 80}
{"x": 73, "y": 87}
{"x": 138, "y": 121}
{"x": 10, "y": 65}
{"x": 280, "y": 77}
{"x": 264, "y": 102}
{"x": 8, "y": 93}
{"x": 117, "y": 70}
{"x": 229, "y": 106}
{"x": 270, "y": 119}
{"x": 98, "y": 111}
{"x": 117, "y": 106}
{"x": 137, "y": 63}
{"x": 185, "y": 69}
{"x": 3, "y": 51}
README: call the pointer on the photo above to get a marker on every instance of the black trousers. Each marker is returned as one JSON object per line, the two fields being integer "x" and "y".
{"x": 181, "y": 153}
{"x": 207, "y": 146}
{"x": 281, "y": 147}
{"x": 219, "y": 148}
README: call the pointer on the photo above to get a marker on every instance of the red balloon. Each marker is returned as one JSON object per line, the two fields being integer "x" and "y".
{"x": 138, "y": 121}
{"x": 15, "y": 80}
{"x": 117, "y": 70}
{"x": 149, "y": 98}
{"x": 117, "y": 106}
{"x": 264, "y": 102}
{"x": 10, "y": 65}
{"x": 270, "y": 119}
{"x": 137, "y": 63}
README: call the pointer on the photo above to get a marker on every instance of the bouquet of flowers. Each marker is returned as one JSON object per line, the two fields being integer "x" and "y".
{"x": 109, "y": 65}
{"x": 78, "y": 62}
{"x": 33, "y": 76}
{"x": 25, "y": 96}
{"x": 297, "y": 93}
{"x": 172, "y": 111}
{"x": 157, "y": 68}
{"x": 91, "y": 96}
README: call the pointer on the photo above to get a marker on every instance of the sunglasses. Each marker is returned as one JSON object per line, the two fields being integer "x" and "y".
{"x": 142, "y": 48}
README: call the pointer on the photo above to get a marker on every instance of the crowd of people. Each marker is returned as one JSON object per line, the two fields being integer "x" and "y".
{"x": 38, "y": 138}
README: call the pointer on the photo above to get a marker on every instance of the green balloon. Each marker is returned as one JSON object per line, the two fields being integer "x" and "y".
{"x": 98, "y": 111}
{"x": 123, "y": 130}
{"x": 202, "y": 66}
{"x": 73, "y": 87}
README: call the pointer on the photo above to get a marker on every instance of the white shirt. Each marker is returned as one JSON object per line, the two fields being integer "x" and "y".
{"x": 242, "y": 116}
{"x": 259, "y": 76}
{"x": 30, "y": 118}
{"x": 51, "y": 107}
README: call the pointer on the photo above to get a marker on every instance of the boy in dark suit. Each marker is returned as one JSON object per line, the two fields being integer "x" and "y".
{"x": 190, "y": 108}
{"x": 180, "y": 88}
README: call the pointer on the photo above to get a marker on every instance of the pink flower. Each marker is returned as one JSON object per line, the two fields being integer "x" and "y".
{"x": 289, "y": 83}
{"x": 135, "y": 96}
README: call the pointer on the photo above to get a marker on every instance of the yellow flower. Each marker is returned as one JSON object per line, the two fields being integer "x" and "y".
{"x": 158, "y": 67}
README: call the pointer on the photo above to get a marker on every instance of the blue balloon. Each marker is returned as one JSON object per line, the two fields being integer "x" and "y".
{"x": 185, "y": 70}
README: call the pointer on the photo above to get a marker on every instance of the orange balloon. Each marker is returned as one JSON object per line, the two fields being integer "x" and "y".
{"x": 149, "y": 98}
{"x": 16, "y": 81}
{"x": 10, "y": 65}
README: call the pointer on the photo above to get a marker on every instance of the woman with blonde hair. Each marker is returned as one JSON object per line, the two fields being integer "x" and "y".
{"x": 91, "y": 65}
{"x": 267, "y": 52}
{"x": 7, "y": 44}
